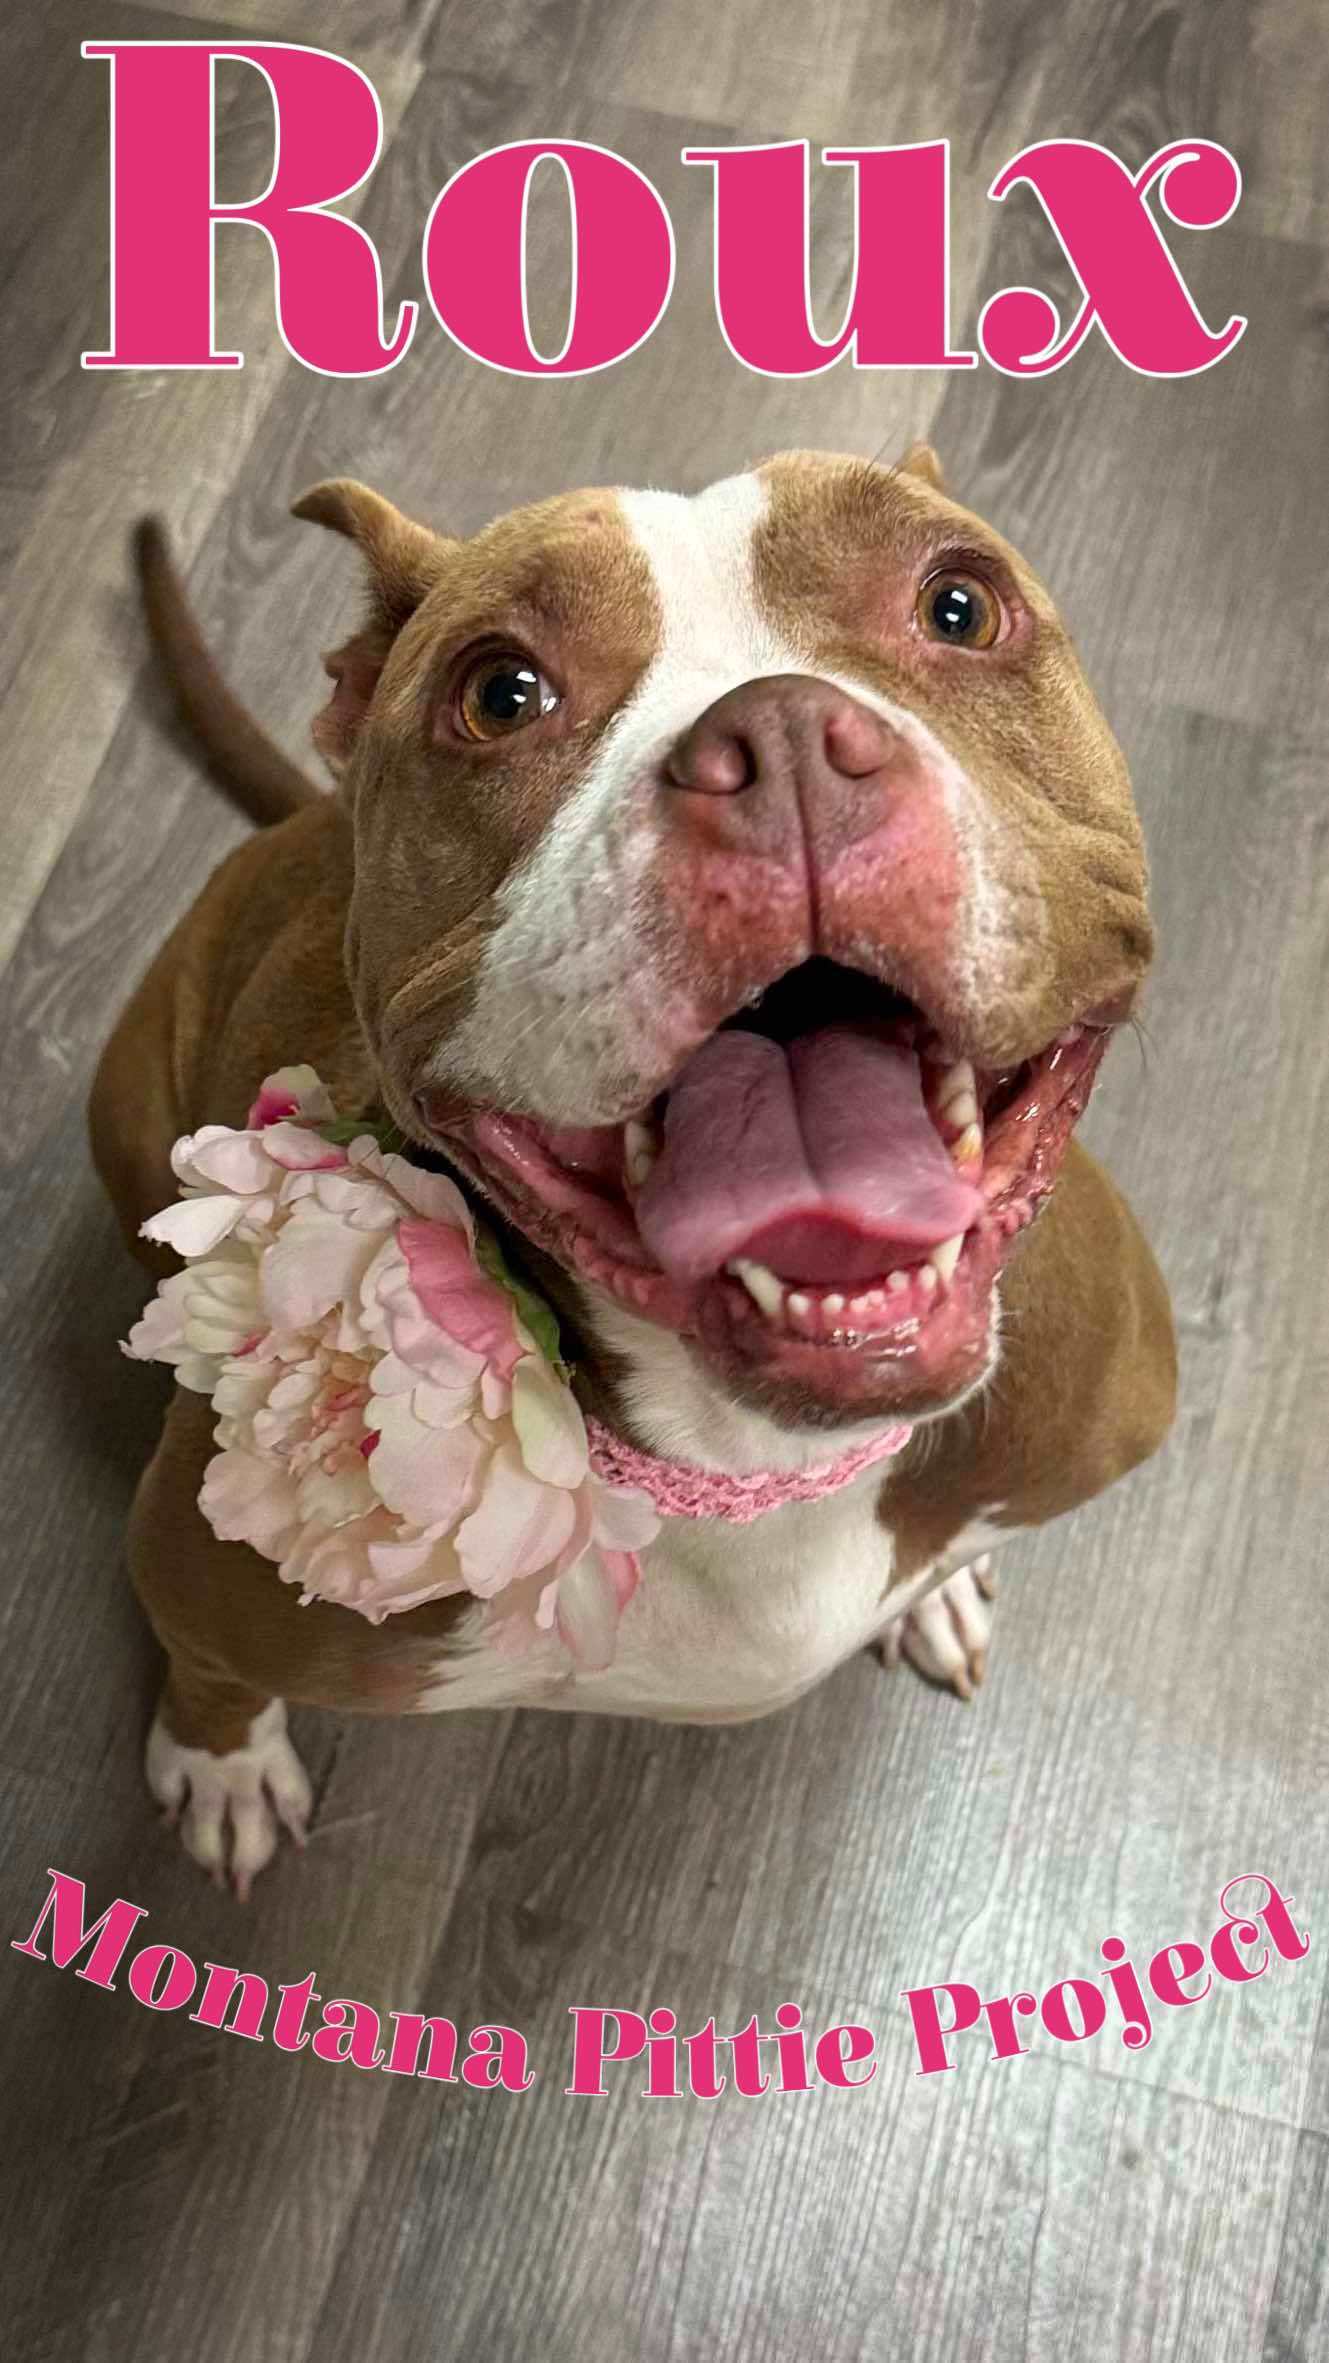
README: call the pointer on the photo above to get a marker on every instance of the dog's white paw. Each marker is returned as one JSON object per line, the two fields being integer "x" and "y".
{"x": 228, "y": 1808}
{"x": 948, "y": 1635}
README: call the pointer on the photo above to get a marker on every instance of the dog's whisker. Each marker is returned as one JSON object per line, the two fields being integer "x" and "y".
{"x": 1144, "y": 1041}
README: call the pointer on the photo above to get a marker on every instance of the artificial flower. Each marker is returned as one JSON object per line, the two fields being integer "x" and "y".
{"x": 393, "y": 1423}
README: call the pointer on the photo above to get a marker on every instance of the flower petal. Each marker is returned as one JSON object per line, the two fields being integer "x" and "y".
{"x": 517, "y": 1527}
{"x": 314, "y": 1263}
{"x": 623, "y": 1519}
{"x": 442, "y": 1407}
{"x": 332, "y": 1563}
{"x": 158, "y": 1335}
{"x": 291, "y": 1091}
{"x": 431, "y": 1195}
{"x": 624, "y": 1572}
{"x": 193, "y": 1226}
{"x": 587, "y": 1608}
{"x": 329, "y": 1497}
{"x": 224, "y": 1159}
{"x": 408, "y": 1573}
{"x": 549, "y": 1425}
{"x": 391, "y": 1304}
{"x": 243, "y": 1387}
{"x": 366, "y": 1204}
{"x": 249, "y": 1500}
{"x": 457, "y": 1296}
{"x": 301, "y": 1151}
{"x": 429, "y": 1476}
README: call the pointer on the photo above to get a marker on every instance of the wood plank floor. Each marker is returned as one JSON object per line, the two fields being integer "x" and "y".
{"x": 1156, "y": 1718}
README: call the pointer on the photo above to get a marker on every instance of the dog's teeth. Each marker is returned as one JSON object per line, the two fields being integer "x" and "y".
{"x": 945, "y": 1258}
{"x": 640, "y": 1150}
{"x": 957, "y": 1093}
{"x": 871, "y": 1306}
{"x": 799, "y": 1303}
{"x": 765, "y": 1290}
{"x": 969, "y": 1147}
{"x": 897, "y": 1281}
{"x": 927, "y": 1280}
{"x": 833, "y": 1304}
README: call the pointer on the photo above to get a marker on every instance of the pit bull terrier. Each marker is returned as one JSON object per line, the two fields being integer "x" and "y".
{"x": 737, "y": 894}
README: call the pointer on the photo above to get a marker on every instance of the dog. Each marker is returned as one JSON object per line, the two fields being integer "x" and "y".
{"x": 737, "y": 894}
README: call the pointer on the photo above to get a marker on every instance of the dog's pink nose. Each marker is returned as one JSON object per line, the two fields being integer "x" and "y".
{"x": 784, "y": 728}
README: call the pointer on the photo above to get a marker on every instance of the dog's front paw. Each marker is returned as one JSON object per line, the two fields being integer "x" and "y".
{"x": 947, "y": 1636}
{"x": 228, "y": 1808}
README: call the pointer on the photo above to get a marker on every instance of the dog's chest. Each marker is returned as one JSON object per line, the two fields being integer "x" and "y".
{"x": 728, "y": 1621}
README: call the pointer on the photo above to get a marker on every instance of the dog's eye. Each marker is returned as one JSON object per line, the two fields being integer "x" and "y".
{"x": 502, "y": 692}
{"x": 959, "y": 609}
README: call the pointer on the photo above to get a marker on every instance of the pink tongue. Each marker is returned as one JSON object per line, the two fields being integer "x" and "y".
{"x": 817, "y": 1158}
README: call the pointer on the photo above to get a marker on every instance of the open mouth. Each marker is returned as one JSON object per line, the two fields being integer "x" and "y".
{"x": 822, "y": 1198}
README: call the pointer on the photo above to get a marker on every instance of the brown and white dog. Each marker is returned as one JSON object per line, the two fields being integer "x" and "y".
{"x": 738, "y": 893}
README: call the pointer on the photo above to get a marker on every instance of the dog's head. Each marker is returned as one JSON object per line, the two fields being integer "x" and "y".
{"x": 746, "y": 887}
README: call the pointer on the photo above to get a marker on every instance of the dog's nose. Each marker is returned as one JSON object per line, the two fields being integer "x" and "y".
{"x": 785, "y": 727}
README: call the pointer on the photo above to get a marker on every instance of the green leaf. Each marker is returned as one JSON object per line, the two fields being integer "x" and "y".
{"x": 342, "y": 1130}
{"x": 532, "y": 1309}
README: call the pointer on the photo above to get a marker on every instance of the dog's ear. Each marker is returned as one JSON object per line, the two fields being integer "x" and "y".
{"x": 921, "y": 460}
{"x": 404, "y": 560}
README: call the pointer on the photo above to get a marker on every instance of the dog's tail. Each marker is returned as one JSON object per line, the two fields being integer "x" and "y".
{"x": 240, "y": 756}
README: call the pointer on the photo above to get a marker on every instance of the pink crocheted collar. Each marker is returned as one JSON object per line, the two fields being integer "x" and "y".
{"x": 680, "y": 1490}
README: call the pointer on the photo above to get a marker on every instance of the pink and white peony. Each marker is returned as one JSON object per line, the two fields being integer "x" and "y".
{"x": 390, "y": 1430}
